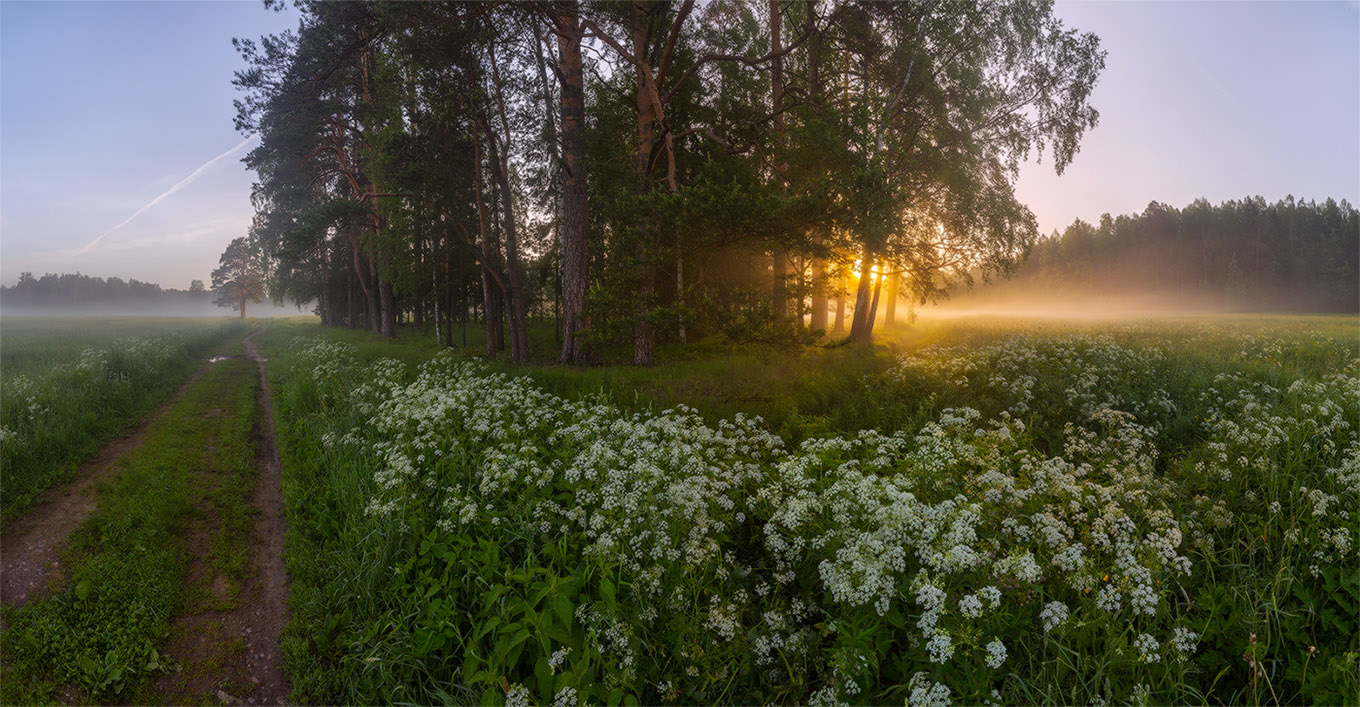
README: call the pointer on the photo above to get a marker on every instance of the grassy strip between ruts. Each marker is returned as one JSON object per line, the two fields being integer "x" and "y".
{"x": 188, "y": 483}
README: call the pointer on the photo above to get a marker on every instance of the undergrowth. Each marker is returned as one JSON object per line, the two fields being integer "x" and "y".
{"x": 1149, "y": 513}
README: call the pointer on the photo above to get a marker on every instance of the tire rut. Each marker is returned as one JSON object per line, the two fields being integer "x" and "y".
{"x": 237, "y": 654}
{"x": 28, "y": 550}
{"x": 269, "y": 613}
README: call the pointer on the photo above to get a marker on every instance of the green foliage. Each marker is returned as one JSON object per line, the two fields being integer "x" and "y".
{"x": 1247, "y": 254}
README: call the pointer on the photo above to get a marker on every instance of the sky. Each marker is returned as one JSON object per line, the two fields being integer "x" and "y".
{"x": 106, "y": 106}
{"x": 118, "y": 156}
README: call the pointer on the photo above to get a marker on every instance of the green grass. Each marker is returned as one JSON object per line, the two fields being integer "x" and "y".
{"x": 31, "y": 345}
{"x": 70, "y": 385}
{"x": 102, "y": 632}
{"x": 401, "y": 602}
{"x": 832, "y": 389}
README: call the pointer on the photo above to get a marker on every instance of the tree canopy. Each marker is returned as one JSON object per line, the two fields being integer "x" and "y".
{"x": 1292, "y": 255}
{"x": 240, "y": 278}
{"x": 651, "y": 170}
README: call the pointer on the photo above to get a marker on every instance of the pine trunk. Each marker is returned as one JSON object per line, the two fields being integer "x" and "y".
{"x": 890, "y": 316}
{"x": 859, "y": 326}
{"x": 817, "y": 322}
{"x": 573, "y": 226}
{"x": 873, "y": 308}
{"x": 643, "y": 336}
{"x": 780, "y": 254}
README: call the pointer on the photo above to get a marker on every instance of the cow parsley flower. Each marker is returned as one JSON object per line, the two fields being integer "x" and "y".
{"x": 996, "y": 653}
{"x": 1053, "y": 614}
{"x": 1184, "y": 640}
{"x": 1148, "y": 647}
{"x": 940, "y": 648}
{"x": 927, "y": 693}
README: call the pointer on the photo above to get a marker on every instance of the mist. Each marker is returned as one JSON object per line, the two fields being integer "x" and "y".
{"x": 1122, "y": 299}
{"x": 204, "y": 310}
{"x": 1248, "y": 255}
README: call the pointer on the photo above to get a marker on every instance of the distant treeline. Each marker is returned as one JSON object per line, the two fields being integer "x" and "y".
{"x": 1247, "y": 254}
{"x": 83, "y": 292}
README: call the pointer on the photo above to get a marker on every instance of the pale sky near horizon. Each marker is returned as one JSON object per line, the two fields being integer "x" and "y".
{"x": 112, "y": 114}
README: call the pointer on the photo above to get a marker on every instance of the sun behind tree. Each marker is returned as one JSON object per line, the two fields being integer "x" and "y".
{"x": 239, "y": 278}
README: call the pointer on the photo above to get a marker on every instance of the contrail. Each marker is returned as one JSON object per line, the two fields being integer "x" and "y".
{"x": 182, "y": 183}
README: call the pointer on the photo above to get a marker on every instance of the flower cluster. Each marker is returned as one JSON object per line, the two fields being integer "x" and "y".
{"x": 1057, "y": 508}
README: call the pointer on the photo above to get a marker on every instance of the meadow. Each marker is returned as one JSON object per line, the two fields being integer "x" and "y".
{"x": 71, "y": 384}
{"x": 975, "y": 511}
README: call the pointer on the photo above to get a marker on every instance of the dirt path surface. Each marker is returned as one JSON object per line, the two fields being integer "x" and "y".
{"x": 234, "y": 655}
{"x": 269, "y": 612}
{"x": 29, "y": 544}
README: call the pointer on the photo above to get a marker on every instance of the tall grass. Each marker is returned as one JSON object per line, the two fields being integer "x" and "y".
{"x": 70, "y": 385}
{"x": 103, "y": 630}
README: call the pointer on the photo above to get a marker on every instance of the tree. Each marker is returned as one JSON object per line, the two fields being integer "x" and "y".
{"x": 573, "y": 217}
{"x": 674, "y": 169}
{"x": 196, "y": 287}
{"x": 240, "y": 276}
{"x": 941, "y": 105}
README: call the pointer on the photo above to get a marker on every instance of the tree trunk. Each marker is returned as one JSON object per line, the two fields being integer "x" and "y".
{"x": 873, "y": 308}
{"x": 840, "y": 311}
{"x": 780, "y": 297}
{"x": 680, "y": 284}
{"x": 817, "y": 322}
{"x": 351, "y": 312}
{"x": 491, "y": 310}
{"x": 781, "y": 255}
{"x": 448, "y": 294}
{"x": 374, "y": 310}
{"x": 890, "y": 315}
{"x": 519, "y": 338}
{"x": 573, "y": 225}
{"x": 643, "y": 335}
{"x": 859, "y": 326}
{"x": 388, "y": 303}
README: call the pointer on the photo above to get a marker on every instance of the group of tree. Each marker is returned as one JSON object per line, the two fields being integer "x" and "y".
{"x": 1247, "y": 254}
{"x": 76, "y": 291}
{"x": 644, "y": 171}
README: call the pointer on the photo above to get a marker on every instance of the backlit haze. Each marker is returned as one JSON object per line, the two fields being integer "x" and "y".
{"x": 118, "y": 156}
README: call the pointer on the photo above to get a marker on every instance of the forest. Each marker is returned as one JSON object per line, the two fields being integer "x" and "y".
{"x": 1248, "y": 254}
{"x": 77, "y": 291}
{"x": 647, "y": 172}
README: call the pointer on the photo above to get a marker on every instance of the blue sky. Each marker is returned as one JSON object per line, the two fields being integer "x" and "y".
{"x": 104, "y": 106}
{"x": 1214, "y": 99}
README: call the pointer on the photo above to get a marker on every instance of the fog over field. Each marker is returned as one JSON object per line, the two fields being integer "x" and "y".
{"x": 263, "y": 310}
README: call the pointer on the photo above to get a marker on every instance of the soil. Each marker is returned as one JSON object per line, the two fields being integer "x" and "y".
{"x": 266, "y": 616}
{"x": 235, "y": 656}
{"x": 29, "y": 565}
